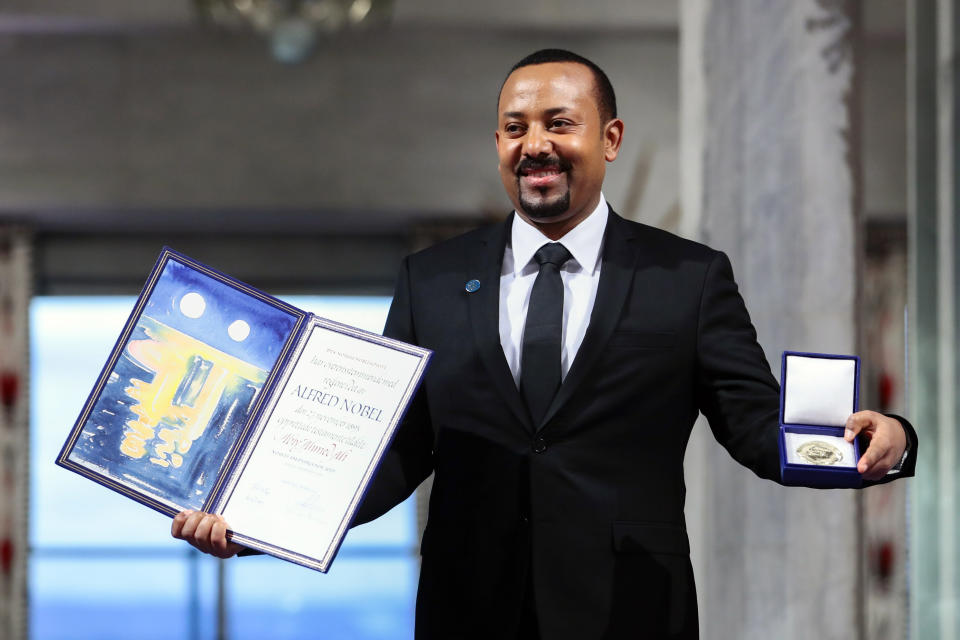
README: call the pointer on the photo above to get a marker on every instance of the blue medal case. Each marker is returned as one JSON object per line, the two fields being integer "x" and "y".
{"x": 817, "y": 393}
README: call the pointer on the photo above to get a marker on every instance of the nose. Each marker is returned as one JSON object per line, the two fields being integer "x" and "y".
{"x": 537, "y": 142}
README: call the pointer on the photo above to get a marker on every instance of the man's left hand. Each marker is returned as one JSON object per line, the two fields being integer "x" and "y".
{"x": 888, "y": 441}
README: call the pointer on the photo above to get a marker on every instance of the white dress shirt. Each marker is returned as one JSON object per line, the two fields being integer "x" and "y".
{"x": 580, "y": 276}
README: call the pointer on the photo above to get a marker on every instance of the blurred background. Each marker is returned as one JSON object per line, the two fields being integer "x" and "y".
{"x": 306, "y": 146}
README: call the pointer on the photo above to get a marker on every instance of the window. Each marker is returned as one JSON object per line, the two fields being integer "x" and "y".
{"x": 103, "y": 566}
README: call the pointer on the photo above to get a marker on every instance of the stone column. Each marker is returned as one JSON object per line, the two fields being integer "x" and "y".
{"x": 768, "y": 146}
{"x": 16, "y": 279}
{"x": 934, "y": 313}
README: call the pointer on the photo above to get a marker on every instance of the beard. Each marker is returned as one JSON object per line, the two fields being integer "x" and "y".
{"x": 543, "y": 209}
{"x": 532, "y": 201}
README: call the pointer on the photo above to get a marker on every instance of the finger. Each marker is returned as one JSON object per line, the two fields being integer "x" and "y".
{"x": 857, "y": 422}
{"x": 876, "y": 473}
{"x": 189, "y": 524}
{"x": 218, "y": 539}
{"x": 880, "y": 469}
{"x": 201, "y": 537}
{"x": 192, "y": 530}
{"x": 876, "y": 460}
{"x": 177, "y": 525}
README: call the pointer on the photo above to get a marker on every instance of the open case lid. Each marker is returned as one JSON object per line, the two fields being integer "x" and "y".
{"x": 818, "y": 389}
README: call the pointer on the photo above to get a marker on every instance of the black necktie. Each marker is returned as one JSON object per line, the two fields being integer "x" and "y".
{"x": 542, "y": 333}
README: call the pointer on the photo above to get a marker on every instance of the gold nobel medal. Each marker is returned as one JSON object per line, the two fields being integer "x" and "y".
{"x": 819, "y": 452}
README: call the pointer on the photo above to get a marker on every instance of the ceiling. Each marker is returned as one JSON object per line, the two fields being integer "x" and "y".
{"x": 880, "y": 17}
{"x": 69, "y": 14}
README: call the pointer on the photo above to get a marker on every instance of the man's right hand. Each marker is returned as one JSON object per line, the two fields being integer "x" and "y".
{"x": 206, "y": 532}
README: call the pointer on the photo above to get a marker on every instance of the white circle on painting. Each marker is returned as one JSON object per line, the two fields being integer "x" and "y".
{"x": 192, "y": 305}
{"x": 238, "y": 330}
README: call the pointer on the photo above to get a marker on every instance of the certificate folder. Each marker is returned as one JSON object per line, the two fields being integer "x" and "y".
{"x": 221, "y": 398}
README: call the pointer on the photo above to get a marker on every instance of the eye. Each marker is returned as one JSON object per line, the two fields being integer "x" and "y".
{"x": 513, "y": 128}
{"x": 559, "y": 123}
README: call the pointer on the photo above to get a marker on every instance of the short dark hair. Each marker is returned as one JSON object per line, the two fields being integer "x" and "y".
{"x": 606, "y": 98}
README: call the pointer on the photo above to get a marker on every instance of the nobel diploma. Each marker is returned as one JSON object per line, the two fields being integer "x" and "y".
{"x": 221, "y": 398}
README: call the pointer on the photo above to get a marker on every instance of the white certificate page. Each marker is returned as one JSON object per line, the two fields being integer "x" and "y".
{"x": 329, "y": 425}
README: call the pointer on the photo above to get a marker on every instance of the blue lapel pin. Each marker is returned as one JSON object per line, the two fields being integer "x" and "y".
{"x": 472, "y": 286}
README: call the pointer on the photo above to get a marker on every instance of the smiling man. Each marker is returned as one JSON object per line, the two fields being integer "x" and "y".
{"x": 573, "y": 351}
{"x": 554, "y": 140}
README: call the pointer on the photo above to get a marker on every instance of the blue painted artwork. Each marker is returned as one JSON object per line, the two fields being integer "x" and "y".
{"x": 184, "y": 386}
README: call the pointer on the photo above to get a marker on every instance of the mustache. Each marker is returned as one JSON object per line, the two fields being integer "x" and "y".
{"x": 537, "y": 164}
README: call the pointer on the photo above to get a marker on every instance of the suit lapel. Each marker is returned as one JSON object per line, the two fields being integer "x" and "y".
{"x": 484, "y": 262}
{"x": 616, "y": 274}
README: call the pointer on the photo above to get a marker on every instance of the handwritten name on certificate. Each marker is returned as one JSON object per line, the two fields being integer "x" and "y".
{"x": 320, "y": 442}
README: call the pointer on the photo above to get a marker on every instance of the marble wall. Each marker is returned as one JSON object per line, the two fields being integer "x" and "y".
{"x": 934, "y": 315}
{"x": 770, "y": 176}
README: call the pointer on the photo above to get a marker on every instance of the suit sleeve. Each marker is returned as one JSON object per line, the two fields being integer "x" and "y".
{"x": 409, "y": 460}
{"x": 735, "y": 389}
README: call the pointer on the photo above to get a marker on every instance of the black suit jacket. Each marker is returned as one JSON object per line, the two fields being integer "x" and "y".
{"x": 588, "y": 503}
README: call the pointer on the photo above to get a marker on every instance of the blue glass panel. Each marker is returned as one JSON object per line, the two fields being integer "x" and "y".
{"x": 109, "y": 599}
{"x": 71, "y": 338}
{"x": 363, "y": 312}
{"x": 359, "y": 599}
{"x": 77, "y": 591}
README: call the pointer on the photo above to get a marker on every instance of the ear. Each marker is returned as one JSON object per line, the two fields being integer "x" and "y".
{"x": 612, "y": 138}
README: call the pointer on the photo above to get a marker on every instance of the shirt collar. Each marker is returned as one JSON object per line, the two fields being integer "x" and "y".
{"x": 583, "y": 242}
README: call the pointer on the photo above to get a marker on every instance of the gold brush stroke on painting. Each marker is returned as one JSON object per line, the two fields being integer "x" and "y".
{"x": 168, "y": 354}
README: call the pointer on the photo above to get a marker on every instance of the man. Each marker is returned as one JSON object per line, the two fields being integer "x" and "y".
{"x": 573, "y": 352}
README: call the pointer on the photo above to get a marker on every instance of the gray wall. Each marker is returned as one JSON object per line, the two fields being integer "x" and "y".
{"x": 132, "y": 117}
{"x": 397, "y": 121}
{"x": 168, "y": 132}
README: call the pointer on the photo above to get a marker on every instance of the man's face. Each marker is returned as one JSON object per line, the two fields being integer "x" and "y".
{"x": 552, "y": 145}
